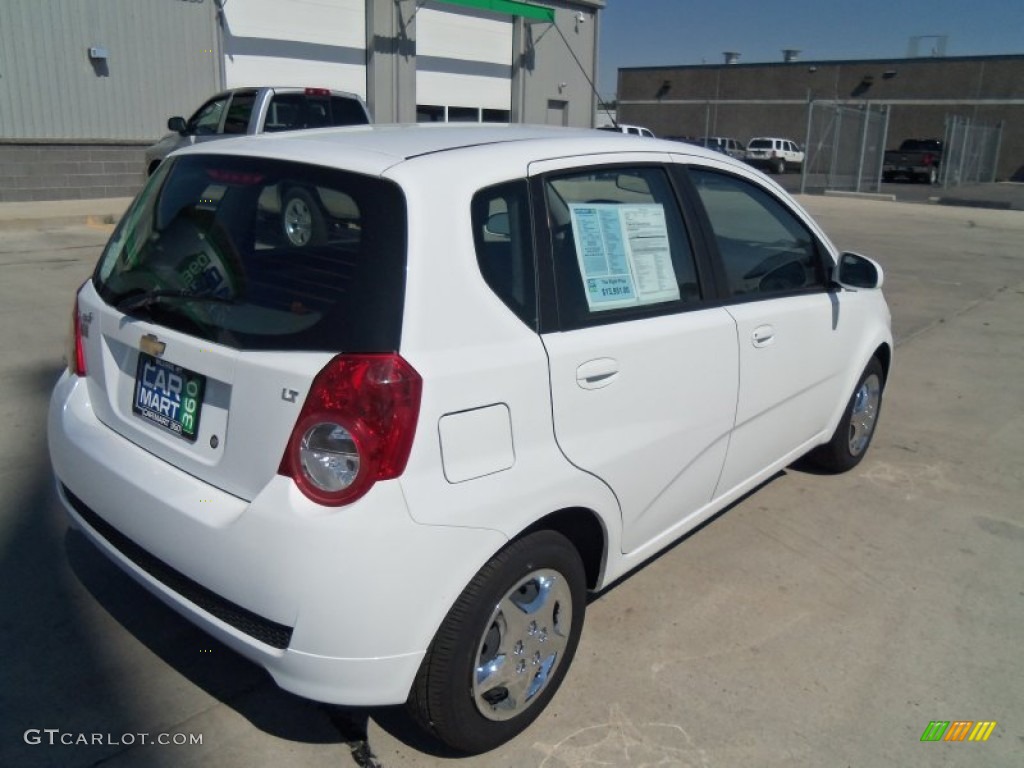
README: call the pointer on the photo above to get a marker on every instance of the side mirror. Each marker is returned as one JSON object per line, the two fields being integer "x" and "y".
{"x": 177, "y": 124}
{"x": 856, "y": 271}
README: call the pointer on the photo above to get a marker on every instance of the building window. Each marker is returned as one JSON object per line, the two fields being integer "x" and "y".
{"x": 429, "y": 113}
{"x": 463, "y": 115}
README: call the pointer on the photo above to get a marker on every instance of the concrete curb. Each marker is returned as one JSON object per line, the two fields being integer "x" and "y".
{"x": 880, "y": 196}
{"x": 53, "y": 214}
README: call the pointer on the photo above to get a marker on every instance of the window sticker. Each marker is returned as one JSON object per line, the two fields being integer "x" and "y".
{"x": 623, "y": 254}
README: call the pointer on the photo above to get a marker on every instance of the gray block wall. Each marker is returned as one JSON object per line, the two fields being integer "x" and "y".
{"x": 70, "y": 171}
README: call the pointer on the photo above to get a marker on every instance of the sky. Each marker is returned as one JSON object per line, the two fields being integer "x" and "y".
{"x": 642, "y": 33}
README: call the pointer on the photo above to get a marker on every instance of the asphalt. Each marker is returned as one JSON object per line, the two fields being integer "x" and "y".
{"x": 51, "y": 214}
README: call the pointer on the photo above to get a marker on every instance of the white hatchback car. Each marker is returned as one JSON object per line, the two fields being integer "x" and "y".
{"x": 389, "y": 464}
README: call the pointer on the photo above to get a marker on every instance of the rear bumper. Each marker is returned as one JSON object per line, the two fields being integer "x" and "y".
{"x": 338, "y": 605}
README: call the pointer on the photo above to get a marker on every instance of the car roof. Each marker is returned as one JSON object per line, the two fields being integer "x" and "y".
{"x": 373, "y": 149}
{"x": 283, "y": 89}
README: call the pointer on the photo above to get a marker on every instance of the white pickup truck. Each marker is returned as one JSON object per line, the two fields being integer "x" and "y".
{"x": 243, "y": 111}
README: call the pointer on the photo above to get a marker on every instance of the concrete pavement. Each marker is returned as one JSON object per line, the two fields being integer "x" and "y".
{"x": 821, "y": 621}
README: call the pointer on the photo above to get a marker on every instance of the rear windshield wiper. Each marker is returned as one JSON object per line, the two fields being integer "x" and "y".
{"x": 149, "y": 298}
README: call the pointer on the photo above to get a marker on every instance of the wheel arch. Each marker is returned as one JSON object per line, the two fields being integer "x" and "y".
{"x": 585, "y": 530}
{"x": 884, "y": 355}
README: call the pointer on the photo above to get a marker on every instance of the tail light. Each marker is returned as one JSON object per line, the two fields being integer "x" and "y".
{"x": 75, "y": 350}
{"x": 356, "y": 427}
{"x": 928, "y": 159}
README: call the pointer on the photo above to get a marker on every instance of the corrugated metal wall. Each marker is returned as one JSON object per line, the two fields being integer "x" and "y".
{"x": 163, "y": 60}
{"x": 319, "y": 43}
{"x": 463, "y": 59}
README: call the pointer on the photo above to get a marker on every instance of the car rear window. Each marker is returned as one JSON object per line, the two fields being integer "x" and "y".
{"x": 263, "y": 254}
{"x": 295, "y": 111}
{"x": 760, "y": 144}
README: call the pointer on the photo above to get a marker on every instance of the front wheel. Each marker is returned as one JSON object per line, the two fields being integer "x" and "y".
{"x": 852, "y": 437}
{"x": 504, "y": 647}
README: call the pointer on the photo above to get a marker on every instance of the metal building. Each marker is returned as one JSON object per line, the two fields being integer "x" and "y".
{"x": 85, "y": 87}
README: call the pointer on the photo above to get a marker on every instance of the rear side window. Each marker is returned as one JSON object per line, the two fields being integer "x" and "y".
{"x": 263, "y": 254}
{"x": 619, "y": 244}
{"x": 239, "y": 112}
{"x": 504, "y": 246}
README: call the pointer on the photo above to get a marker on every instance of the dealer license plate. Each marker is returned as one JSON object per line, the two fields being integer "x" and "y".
{"x": 169, "y": 396}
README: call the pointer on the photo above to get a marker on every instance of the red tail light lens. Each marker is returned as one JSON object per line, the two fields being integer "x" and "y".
{"x": 75, "y": 351}
{"x": 356, "y": 427}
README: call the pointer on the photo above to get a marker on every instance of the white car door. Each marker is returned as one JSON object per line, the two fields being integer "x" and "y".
{"x": 643, "y": 370}
{"x": 794, "y": 337}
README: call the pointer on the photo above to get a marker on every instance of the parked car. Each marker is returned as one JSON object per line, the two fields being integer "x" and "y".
{"x": 775, "y": 155}
{"x": 633, "y": 130}
{"x": 726, "y": 146}
{"x": 259, "y": 110}
{"x": 915, "y": 160}
{"x": 389, "y": 467}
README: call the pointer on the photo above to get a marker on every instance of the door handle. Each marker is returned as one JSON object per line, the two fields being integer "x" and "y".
{"x": 597, "y": 373}
{"x": 763, "y": 336}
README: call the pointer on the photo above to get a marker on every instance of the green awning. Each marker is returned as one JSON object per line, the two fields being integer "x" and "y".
{"x": 508, "y": 7}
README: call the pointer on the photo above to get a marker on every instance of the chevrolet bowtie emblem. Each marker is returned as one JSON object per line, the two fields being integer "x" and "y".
{"x": 151, "y": 345}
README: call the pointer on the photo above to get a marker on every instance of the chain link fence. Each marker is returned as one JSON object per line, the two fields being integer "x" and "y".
{"x": 971, "y": 152}
{"x": 845, "y": 147}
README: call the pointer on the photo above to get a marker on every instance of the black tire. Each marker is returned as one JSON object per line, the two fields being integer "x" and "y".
{"x": 857, "y": 426}
{"x": 932, "y": 177}
{"x": 542, "y": 571}
{"x": 780, "y": 167}
{"x": 302, "y": 221}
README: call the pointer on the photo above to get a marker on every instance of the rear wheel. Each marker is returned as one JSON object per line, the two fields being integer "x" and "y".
{"x": 852, "y": 437}
{"x": 780, "y": 166}
{"x": 504, "y": 647}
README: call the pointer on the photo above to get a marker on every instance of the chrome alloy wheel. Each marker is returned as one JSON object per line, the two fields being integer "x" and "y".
{"x": 298, "y": 221}
{"x": 522, "y": 645}
{"x": 864, "y": 413}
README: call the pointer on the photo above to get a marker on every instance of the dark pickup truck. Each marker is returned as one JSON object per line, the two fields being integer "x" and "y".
{"x": 916, "y": 159}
